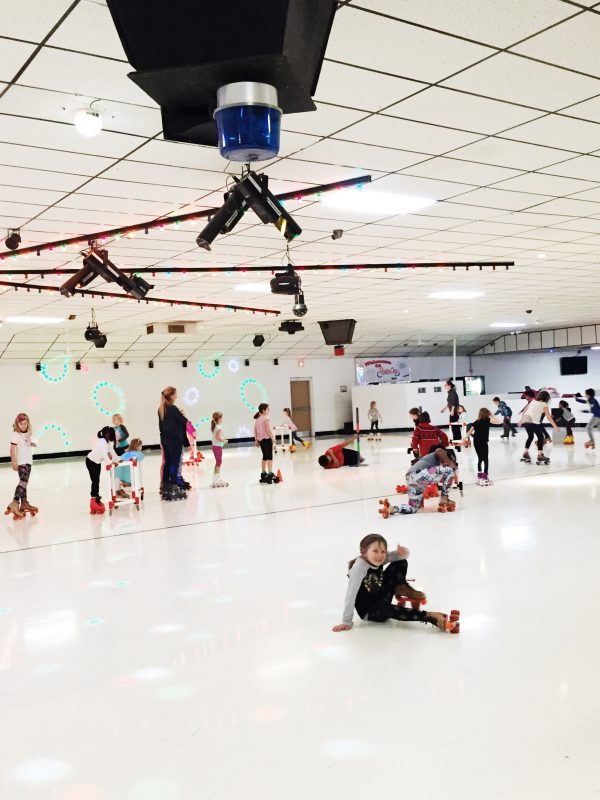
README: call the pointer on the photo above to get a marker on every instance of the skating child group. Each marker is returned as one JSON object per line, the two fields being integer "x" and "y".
{"x": 372, "y": 589}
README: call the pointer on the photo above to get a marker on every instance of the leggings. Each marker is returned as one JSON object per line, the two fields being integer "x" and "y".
{"x": 569, "y": 426}
{"x": 537, "y": 431}
{"x": 24, "y": 471}
{"x": 375, "y": 425}
{"x": 417, "y": 481}
{"x": 296, "y": 438}
{"x": 593, "y": 423}
{"x": 482, "y": 450}
{"x": 456, "y": 429}
{"x": 393, "y": 575}
{"x": 172, "y": 450}
{"x": 508, "y": 426}
{"x": 94, "y": 470}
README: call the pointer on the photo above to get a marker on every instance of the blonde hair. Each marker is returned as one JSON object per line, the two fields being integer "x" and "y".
{"x": 118, "y": 418}
{"x": 373, "y": 403}
{"x": 19, "y": 417}
{"x": 135, "y": 444}
{"x": 166, "y": 399}
{"x": 217, "y": 415}
{"x": 484, "y": 413}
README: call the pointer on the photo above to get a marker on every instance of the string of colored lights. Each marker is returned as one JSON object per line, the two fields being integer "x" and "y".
{"x": 113, "y": 295}
{"x": 454, "y": 265}
{"x": 85, "y": 240}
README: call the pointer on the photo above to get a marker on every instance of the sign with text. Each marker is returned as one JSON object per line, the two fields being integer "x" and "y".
{"x": 381, "y": 370}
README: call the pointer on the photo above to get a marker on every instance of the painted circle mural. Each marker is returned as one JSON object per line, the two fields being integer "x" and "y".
{"x": 249, "y": 383}
{"x": 100, "y": 389}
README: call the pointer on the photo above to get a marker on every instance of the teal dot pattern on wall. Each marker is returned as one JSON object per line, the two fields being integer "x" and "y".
{"x": 100, "y": 407}
{"x": 246, "y": 384}
{"x": 213, "y": 374}
{"x": 52, "y": 427}
{"x": 201, "y": 421}
{"x": 45, "y": 371}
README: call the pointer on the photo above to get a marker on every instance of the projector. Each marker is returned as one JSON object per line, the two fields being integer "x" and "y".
{"x": 291, "y": 326}
{"x": 288, "y": 282}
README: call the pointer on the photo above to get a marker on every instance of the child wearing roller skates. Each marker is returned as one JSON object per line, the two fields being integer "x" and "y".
{"x": 427, "y": 437}
{"x": 121, "y": 434}
{"x": 594, "y": 409}
{"x": 374, "y": 418}
{"x": 480, "y": 431}
{"x": 372, "y": 589}
{"x": 289, "y": 422}
{"x": 103, "y": 450}
{"x": 264, "y": 438}
{"x": 505, "y": 411}
{"x": 436, "y": 468}
{"x": 21, "y": 458}
{"x": 566, "y": 418}
{"x": 340, "y": 455}
{"x": 533, "y": 415}
{"x": 218, "y": 442}
{"x": 123, "y": 474}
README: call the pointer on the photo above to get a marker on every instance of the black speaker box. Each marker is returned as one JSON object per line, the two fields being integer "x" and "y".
{"x": 184, "y": 50}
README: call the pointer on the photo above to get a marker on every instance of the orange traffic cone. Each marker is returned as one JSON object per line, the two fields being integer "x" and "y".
{"x": 279, "y": 476}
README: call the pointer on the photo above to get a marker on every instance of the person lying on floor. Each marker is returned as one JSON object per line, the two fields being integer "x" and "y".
{"x": 341, "y": 456}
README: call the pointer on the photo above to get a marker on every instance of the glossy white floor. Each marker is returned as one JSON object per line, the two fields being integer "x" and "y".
{"x": 186, "y": 651}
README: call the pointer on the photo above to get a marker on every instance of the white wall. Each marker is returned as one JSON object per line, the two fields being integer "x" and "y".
{"x": 511, "y": 372}
{"x": 68, "y": 403}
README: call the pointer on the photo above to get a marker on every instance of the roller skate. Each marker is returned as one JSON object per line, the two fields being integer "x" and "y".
{"x": 292, "y": 448}
{"x": 479, "y": 481}
{"x": 272, "y": 478}
{"x": 306, "y": 445}
{"x": 387, "y": 509}
{"x": 526, "y": 458}
{"x": 406, "y": 594}
{"x": 590, "y": 445}
{"x": 264, "y": 478}
{"x": 13, "y": 508}
{"x": 27, "y": 508}
{"x": 402, "y": 489}
{"x": 568, "y": 440}
{"x": 446, "y": 505}
{"x": 450, "y": 623}
{"x": 179, "y": 492}
{"x": 97, "y": 506}
{"x": 218, "y": 483}
{"x": 370, "y": 437}
{"x": 542, "y": 459}
{"x": 166, "y": 492}
{"x": 487, "y": 481}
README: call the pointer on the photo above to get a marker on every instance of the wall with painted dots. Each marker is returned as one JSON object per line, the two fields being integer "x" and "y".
{"x": 68, "y": 406}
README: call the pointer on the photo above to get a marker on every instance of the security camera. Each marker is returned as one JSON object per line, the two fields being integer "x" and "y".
{"x": 337, "y": 233}
{"x": 529, "y": 311}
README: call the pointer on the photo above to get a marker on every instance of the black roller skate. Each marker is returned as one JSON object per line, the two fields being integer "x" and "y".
{"x": 526, "y": 458}
{"x": 264, "y": 478}
{"x": 272, "y": 478}
{"x": 542, "y": 459}
{"x": 167, "y": 492}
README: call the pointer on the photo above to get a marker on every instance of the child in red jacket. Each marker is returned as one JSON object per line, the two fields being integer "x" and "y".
{"x": 427, "y": 437}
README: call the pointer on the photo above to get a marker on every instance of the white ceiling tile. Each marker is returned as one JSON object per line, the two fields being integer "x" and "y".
{"x": 557, "y": 131}
{"x": 543, "y": 184}
{"x": 12, "y": 56}
{"x": 588, "y": 194}
{"x": 39, "y": 179}
{"x": 589, "y": 109}
{"x": 53, "y": 135}
{"x": 78, "y": 73}
{"x": 31, "y": 16}
{"x": 455, "y": 109}
{"x": 497, "y": 24}
{"x": 201, "y": 180}
{"x": 453, "y": 169}
{"x": 574, "y": 208}
{"x": 496, "y": 198}
{"x": 573, "y": 44}
{"x": 585, "y": 167}
{"x": 392, "y": 132}
{"x": 359, "y": 88}
{"x": 14, "y": 194}
{"x": 361, "y": 156}
{"x": 452, "y": 208}
{"x": 127, "y": 206}
{"x": 177, "y": 154}
{"x": 506, "y": 153}
{"x": 520, "y": 80}
{"x": 423, "y": 187}
{"x": 325, "y": 120}
{"x": 396, "y": 48}
{"x": 89, "y": 28}
{"x": 308, "y": 172}
{"x": 41, "y": 157}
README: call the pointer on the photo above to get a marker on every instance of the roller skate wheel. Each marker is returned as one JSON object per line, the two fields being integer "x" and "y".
{"x": 455, "y": 628}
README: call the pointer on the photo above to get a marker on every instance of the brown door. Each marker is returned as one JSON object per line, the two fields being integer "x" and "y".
{"x": 301, "y": 412}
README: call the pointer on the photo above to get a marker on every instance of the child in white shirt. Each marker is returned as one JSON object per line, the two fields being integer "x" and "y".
{"x": 103, "y": 450}
{"x": 218, "y": 442}
{"x": 21, "y": 457}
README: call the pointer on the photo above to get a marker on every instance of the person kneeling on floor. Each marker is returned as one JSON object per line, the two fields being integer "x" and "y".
{"x": 372, "y": 589}
{"x": 341, "y": 456}
{"x": 437, "y": 467}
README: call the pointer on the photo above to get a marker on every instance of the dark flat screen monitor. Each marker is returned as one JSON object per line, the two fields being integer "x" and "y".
{"x": 573, "y": 365}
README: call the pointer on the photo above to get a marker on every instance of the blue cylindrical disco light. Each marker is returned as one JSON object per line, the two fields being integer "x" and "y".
{"x": 248, "y": 121}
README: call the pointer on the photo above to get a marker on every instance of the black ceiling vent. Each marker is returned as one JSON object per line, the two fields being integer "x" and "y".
{"x": 185, "y": 50}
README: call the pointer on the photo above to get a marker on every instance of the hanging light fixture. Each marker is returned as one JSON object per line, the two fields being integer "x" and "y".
{"x": 88, "y": 122}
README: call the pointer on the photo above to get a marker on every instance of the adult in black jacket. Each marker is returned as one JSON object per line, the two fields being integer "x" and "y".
{"x": 452, "y": 403}
{"x": 171, "y": 423}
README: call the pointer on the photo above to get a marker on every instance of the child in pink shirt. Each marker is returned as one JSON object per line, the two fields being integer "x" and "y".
{"x": 263, "y": 436}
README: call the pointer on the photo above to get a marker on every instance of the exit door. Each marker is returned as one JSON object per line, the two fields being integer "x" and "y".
{"x": 300, "y": 393}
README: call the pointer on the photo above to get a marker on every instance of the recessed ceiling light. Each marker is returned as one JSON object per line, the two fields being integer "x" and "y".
{"x": 88, "y": 123}
{"x": 456, "y": 294}
{"x": 371, "y": 202}
{"x": 509, "y": 325}
{"x": 541, "y": 255}
{"x": 253, "y": 287}
{"x": 34, "y": 320}
{"x": 595, "y": 347}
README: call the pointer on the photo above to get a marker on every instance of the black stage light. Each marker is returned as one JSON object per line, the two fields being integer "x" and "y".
{"x": 224, "y": 221}
{"x": 38, "y": 367}
{"x": 288, "y": 282}
{"x": 115, "y": 365}
{"x": 151, "y": 364}
{"x": 78, "y": 366}
{"x": 247, "y": 362}
{"x": 275, "y": 362}
{"x": 216, "y": 363}
{"x": 13, "y": 240}
{"x": 184, "y": 363}
{"x": 97, "y": 263}
{"x": 299, "y": 308}
{"x": 101, "y": 341}
{"x": 258, "y": 340}
{"x": 291, "y": 326}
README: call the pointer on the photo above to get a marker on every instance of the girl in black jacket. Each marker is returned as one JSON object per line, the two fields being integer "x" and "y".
{"x": 172, "y": 424}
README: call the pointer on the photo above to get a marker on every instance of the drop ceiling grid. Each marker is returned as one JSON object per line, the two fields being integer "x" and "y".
{"x": 530, "y": 166}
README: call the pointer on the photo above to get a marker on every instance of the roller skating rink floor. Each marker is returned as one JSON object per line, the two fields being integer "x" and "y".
{"x": 185, "y": 652}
